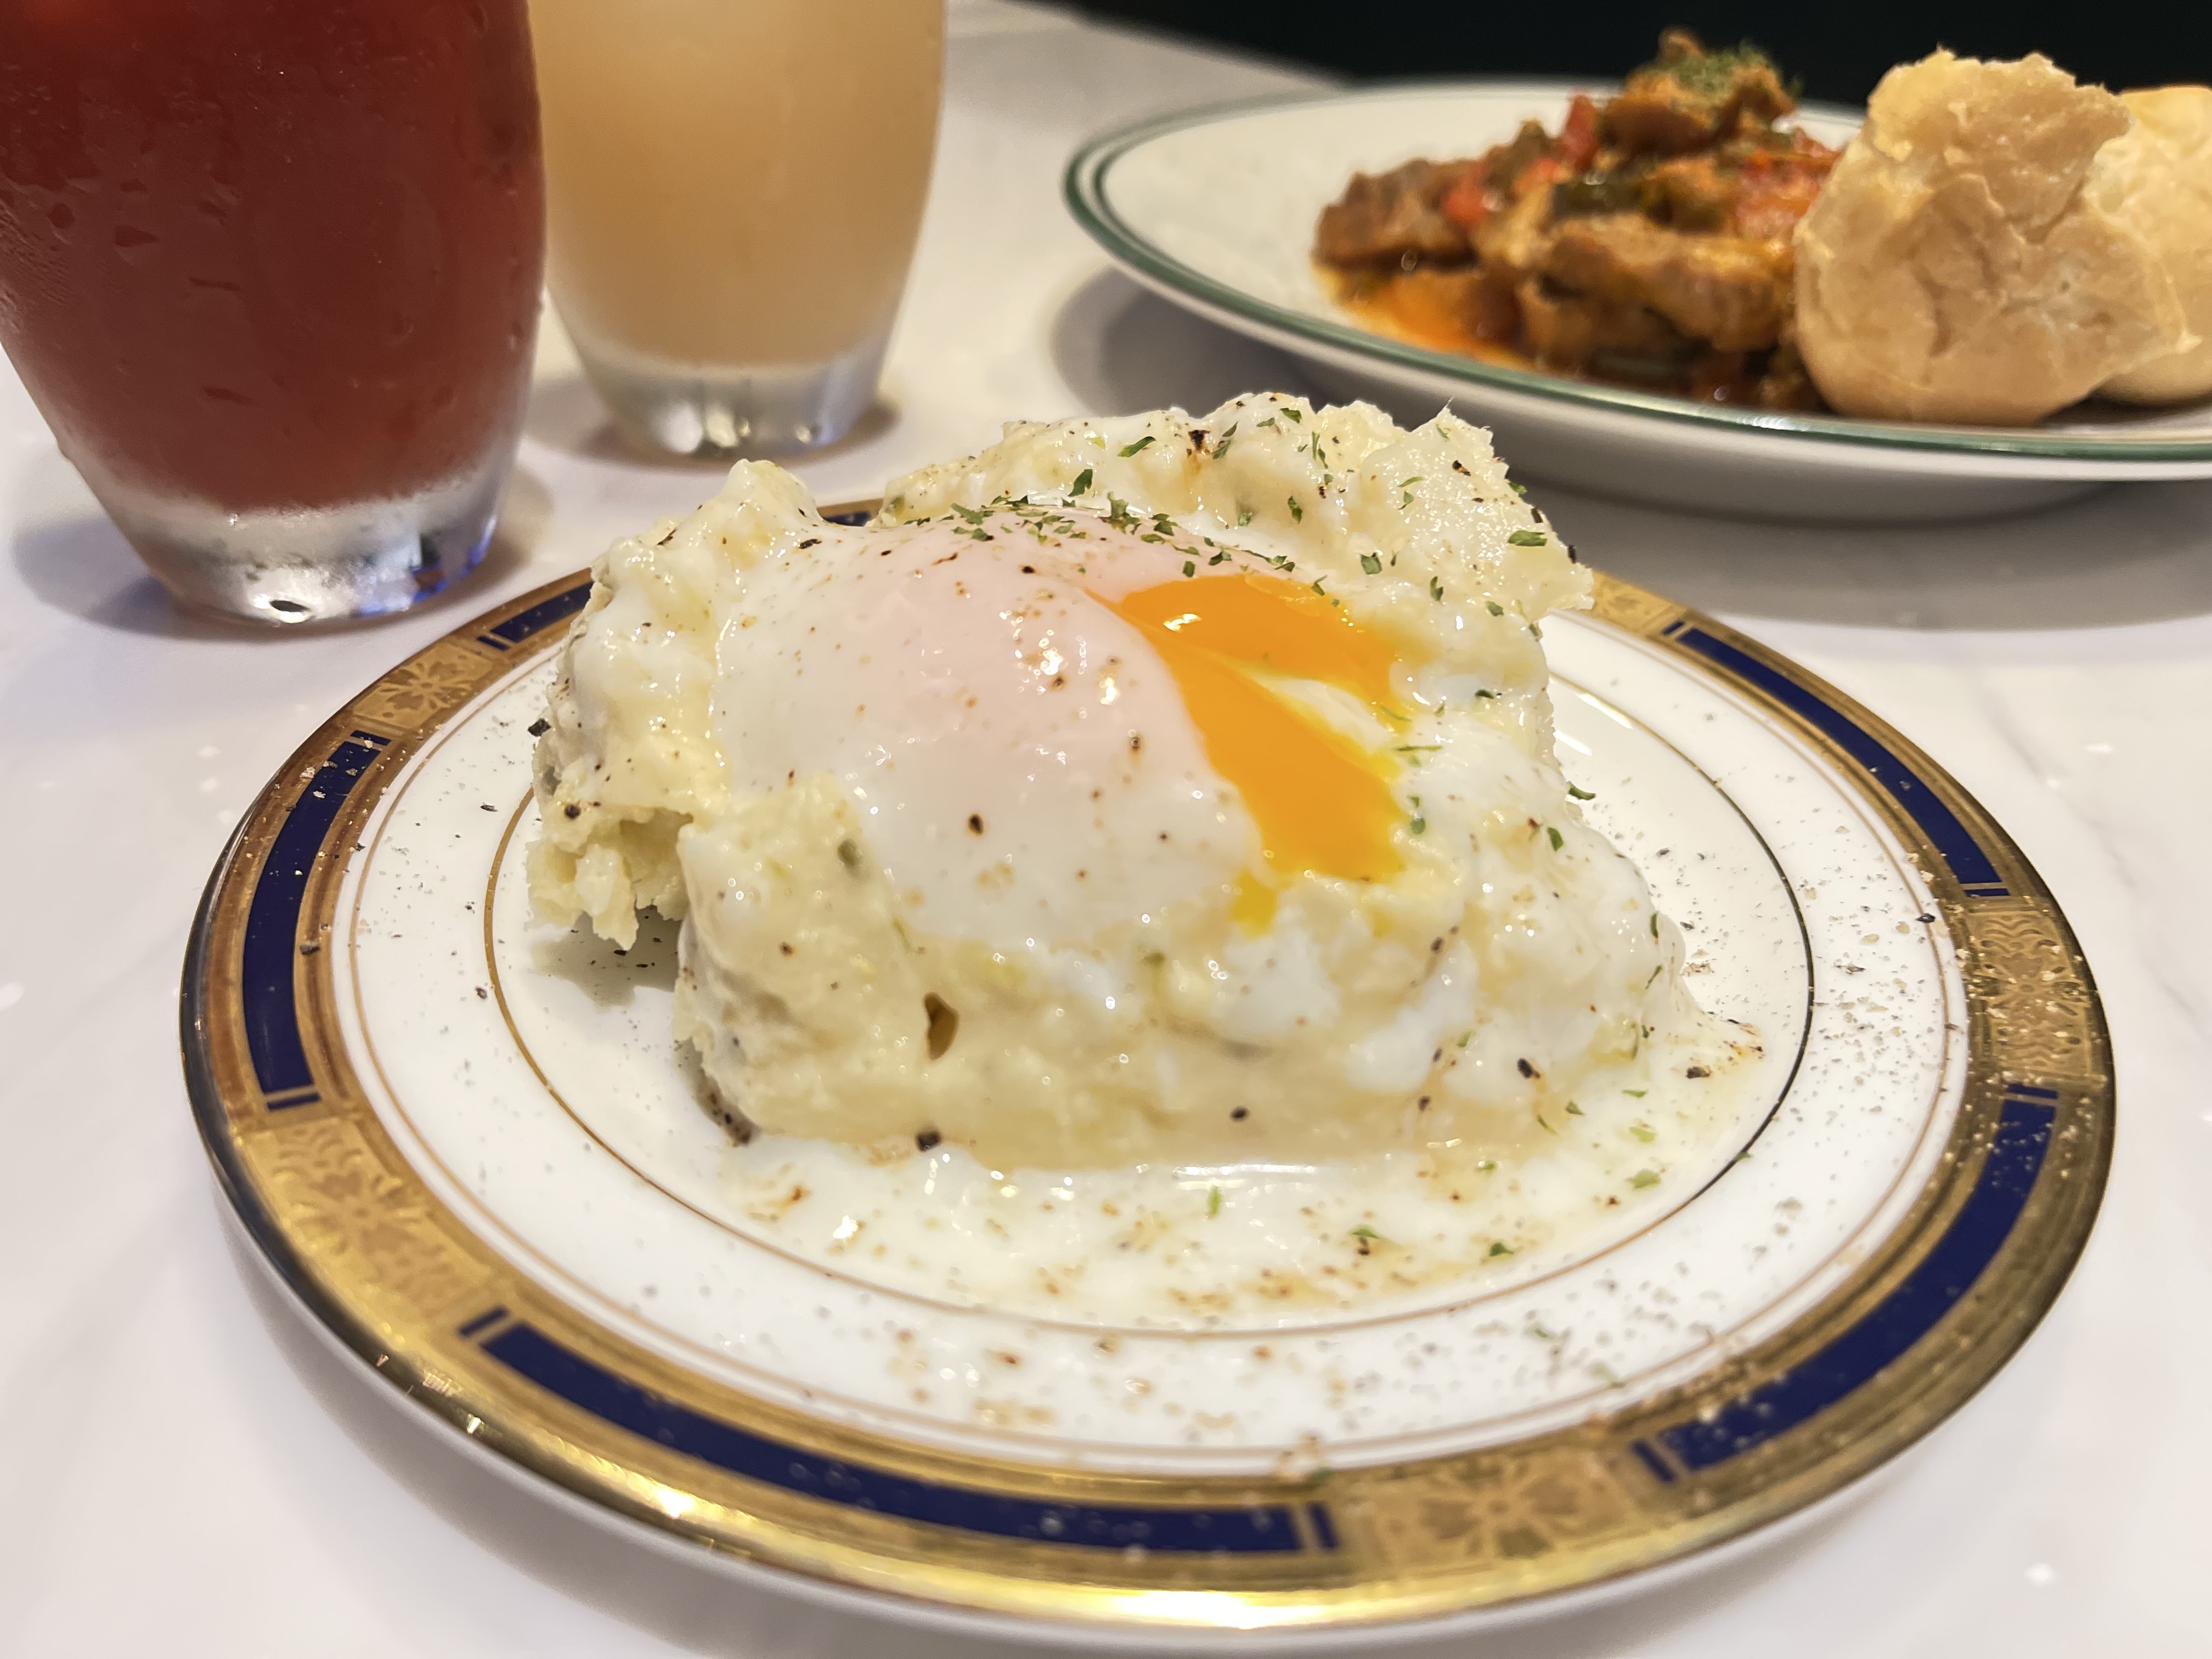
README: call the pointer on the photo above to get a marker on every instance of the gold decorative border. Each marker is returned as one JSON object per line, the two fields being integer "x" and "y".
{"x": 360, "y": 1238}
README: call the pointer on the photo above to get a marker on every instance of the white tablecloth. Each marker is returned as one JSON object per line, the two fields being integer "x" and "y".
{"x": 184, "y": 1470}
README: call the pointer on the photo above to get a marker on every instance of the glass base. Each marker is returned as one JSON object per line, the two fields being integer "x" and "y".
{"x": 720, "y": 413}
{"x": 295, "y": 565}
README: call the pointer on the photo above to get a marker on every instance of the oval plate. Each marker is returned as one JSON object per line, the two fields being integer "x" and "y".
{"x": 1214, "y": 208}
{"x": 465, "y": 1143}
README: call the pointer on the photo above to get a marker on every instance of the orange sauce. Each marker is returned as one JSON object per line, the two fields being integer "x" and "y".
{"x": 1421, "y": 307}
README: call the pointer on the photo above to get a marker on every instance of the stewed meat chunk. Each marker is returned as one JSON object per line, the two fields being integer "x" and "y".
{"x": 1729, "y": 291}
{"x": 1387, "y": 218}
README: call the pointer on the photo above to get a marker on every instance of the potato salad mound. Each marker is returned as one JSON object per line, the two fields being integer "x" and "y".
{"x": 1148, "y": 789}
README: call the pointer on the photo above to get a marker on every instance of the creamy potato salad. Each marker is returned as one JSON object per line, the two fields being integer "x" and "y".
{"x": 1155, "y": 789}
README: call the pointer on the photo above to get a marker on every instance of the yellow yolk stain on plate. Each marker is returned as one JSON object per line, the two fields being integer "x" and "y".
{"x": 1322, "y": 803}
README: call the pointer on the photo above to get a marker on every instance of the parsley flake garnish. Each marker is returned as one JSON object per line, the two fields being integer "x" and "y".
{"x": 1494, "y": 607}
{"x": 1573, "y": 1110}
{"x": 1499, "y": 1246}
{"x": 1654, "y": 924}
{"x": 1213, "y": 1202}
{"x": 1082, "y": 484}
{"x": 1557, "y": 840}
{"x": 1581, "y": 795}
{"x": 1294, "y": 414}
{"x": 1244, "y": 518}
{"x": 1644, "y": 1178}
{"x": 1298, "y": 512}
{"x": 1436, "y": 590}
{"x": 1128, "y": 450}
{"x": 1636, "y": 1094}
{"x": 1189, "y": 566}
{"x": 1644, "y": 1132}
{"x": 1418, "y": 826}
{"x": 1463, "y": 1037}
{"x": 1519, "y": 537}
{"x": 1371, "y": 563}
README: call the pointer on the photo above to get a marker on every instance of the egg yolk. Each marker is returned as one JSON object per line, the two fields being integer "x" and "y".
{"x": 1322, "y": 803}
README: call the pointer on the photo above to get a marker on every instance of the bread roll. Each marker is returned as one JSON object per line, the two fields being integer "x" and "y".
{"x": 1954, "y": 269}
{"x": 2157, "y": 178}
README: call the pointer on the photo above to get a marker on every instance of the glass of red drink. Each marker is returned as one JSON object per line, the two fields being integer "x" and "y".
{"x": 270, "y": 269}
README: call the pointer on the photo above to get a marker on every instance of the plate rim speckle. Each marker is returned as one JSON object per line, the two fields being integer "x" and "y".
{"x": 1755, "y": 1440}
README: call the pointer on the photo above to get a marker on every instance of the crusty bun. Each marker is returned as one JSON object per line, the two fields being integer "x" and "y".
{"x": 1954, "y": 268}
{"x": 2157, "y": 178}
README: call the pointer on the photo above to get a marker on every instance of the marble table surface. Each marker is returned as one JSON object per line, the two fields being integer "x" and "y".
{"x": 186, "y": 1469}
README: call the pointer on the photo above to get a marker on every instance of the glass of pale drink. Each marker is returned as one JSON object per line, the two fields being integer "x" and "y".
{"x": 733, "y": 188}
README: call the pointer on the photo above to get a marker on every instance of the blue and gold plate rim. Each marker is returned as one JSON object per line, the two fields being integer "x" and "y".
{"x": 1916, "y": 1330}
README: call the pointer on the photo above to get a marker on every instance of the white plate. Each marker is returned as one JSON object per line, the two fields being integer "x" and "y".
{"x": 469, "y": 1143}
{"x": 1215, "y": 209}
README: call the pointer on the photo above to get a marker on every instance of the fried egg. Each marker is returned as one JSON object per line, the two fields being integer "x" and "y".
{"x": 1142, "y": 791}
